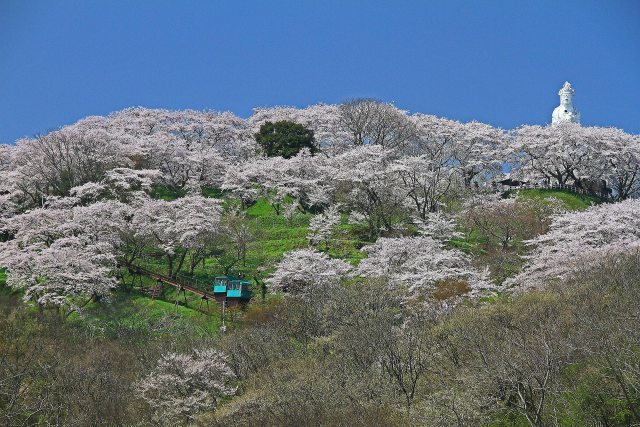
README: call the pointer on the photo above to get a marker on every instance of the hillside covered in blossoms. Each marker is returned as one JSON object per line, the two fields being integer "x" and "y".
{"x": 390, "y": 268}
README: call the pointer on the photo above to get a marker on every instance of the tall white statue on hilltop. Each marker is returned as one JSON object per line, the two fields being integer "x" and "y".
{"x": 565, "y": 112}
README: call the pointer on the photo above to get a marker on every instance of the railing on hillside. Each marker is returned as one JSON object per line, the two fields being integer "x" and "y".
{"x": 175, "y": 282}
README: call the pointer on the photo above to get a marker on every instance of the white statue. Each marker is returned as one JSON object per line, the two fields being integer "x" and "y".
{"x": 565, "y": 112}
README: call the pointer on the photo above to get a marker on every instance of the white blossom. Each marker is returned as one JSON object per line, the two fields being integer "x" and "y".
{"x": 438, "y": 226}
{"x": 322, "y": 226}
{"x": 418, "y": 265}
{"x": 303, "y": 269}
{"x": 581, "y": 239}
{"x": 183, "y": 385}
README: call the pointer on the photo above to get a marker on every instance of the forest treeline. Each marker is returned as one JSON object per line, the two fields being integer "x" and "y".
{"x": 564, "y": 356}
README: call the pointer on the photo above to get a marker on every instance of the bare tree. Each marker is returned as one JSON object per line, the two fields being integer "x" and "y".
{"x": 514, "y": 355}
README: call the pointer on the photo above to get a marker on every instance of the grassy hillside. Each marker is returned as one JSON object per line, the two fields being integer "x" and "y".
{"x": 274, "y": 235}
{"x": 286, "y": 347}
{"x": 135, "y": 315}
{"x": 134, "y": 311}
{"x": 571, "y": 201}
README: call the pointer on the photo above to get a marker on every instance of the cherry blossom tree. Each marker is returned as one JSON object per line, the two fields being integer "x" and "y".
{"x": 228, "y": 134}
{"x": 66, "y": 274}
{"x": 114, "y": 223}
{"x": 322, "y": 226}
{"x": 562, "y": 152}
{"x": 588, "y": 157}
{"x": 8, "y": 205}
{"x": 422, "y": 267}
{"x": 6, "y": 155}
{"x": 438, "y": 226}
{"x": 434, "y": 137}
{"x": 244, "y": 182}
{"x": 40, "y": 226}
{"x": 477, "y": 149}
{"x": 62, "y": 253}
{"x": 581, "y": 239}
{"x": 225, "y": 132}
{"x": 290, "y": 211}
{"x": 183, "y": 385}
{"x": 123, "y": 184}
{"x": 179, "y": 226}
{"x": 172, "y": 157}
{"x": 620, "y": 153}
{"x": 370, "y": 121}
{"x": 432, "y": 171}
{"x": 425, "y": 183}
{"x": 68, "y": 269}
{"x": 303, "y": 270}
{"x": 367, "y": 185}
{"x": 181, "y": 163}
{"x": 53, "y": 164}
{"x": 301, "y": 178}
{"x": 112, "y": 233}
{"x": 186, "y": 146}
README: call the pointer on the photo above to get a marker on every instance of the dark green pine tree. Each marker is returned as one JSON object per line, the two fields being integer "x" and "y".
{"x": 285, "y": 138}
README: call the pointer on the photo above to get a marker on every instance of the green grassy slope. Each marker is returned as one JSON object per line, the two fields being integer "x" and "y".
{"x": 135, "y": 315}
{"x": 571, "y": 201}
{"x": 274, "y": 235}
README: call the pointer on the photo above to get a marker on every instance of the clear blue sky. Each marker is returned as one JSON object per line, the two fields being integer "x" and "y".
{"x": 500, "y": 62}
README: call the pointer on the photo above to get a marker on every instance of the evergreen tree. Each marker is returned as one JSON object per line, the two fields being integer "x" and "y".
{"x": 285, "y": 138}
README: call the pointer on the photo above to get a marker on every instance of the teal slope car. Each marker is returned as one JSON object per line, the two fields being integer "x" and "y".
{"x": 231, "y": 289}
